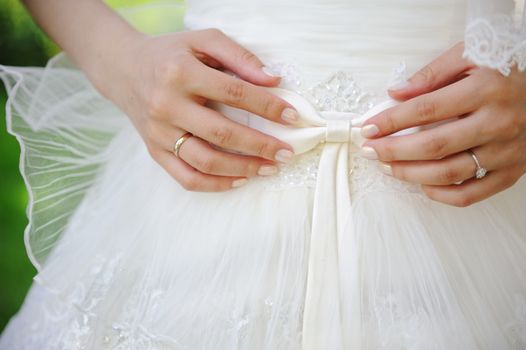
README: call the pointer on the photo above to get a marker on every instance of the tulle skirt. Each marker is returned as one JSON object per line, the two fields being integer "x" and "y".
{"x": 128, "y": 259}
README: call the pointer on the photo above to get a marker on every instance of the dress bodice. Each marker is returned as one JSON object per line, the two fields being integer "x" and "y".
{"x": 367, "y": 38}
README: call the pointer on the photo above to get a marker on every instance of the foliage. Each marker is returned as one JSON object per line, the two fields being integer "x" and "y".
{"x": 22, "y": 43}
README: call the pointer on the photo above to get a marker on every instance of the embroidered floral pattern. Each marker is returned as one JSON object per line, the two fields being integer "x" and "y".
{"x": 341, "y": 93}
{"x": 497, "y": 43}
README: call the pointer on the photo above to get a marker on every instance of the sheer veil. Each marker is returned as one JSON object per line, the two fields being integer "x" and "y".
{"x": 496, "y": 34}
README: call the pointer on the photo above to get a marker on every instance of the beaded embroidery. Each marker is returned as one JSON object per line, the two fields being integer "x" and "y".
{"x": 340, "y": 93}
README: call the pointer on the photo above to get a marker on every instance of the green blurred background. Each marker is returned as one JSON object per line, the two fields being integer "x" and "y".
{"x": 22, "y": 43}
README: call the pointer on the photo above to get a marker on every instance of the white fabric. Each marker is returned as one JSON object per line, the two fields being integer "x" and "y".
{"x": 496, "y": 34}
{"x": 328, "y": 254}
{"x": 322, "y": 326}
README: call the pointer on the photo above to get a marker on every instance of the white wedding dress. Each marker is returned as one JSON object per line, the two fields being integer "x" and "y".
{"x": 330, "y": 254}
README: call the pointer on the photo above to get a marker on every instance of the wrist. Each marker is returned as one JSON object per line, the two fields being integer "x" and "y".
{"x": 113, "y": 60}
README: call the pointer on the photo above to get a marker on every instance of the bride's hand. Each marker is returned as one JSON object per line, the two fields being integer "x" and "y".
{"x": 163, "y": 84}
{"x": 490, "y": 119}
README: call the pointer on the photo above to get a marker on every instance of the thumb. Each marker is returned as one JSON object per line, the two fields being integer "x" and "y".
{"x": 446, "y": 69}
{"x": 235, "y": 58}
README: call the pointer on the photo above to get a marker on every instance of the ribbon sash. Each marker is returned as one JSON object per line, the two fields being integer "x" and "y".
{"x": 332, "y": 291}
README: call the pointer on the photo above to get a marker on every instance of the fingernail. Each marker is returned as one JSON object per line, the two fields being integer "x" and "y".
{"x": 370, "y": 131}
{"x": 239, "y": 183}
{"x": 289, "y": 115}
{"x": 267, "y": 170}
{"x": 369, "y": 153}
{"x": 386, "y": 168}
{"x": 269, "y": 72}
{"x": 284, "y": 156}
{"x": 400, "y": 86}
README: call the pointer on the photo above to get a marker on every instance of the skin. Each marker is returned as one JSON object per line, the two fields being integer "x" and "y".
{"x": 163, "y": 84}
{"x": 490, "y": 119}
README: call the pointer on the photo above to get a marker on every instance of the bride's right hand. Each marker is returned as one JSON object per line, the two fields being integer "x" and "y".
{"x": 163, "y": 83}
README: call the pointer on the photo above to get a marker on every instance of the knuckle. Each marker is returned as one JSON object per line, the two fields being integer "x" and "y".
{"x": 386, "y": 151}
{"x": 435, "y": 147}
{"x": 270, "y": 107}
{"x": 426, "y": 75}
{"x": 462, "y": 200}
{"x": 430, "y": 193}
{"x": 157, "y": 105}
{"x": 172, "y": 71}
{"x": 505, "y": 128}
{"x": 494, "y": 86}
{"x": 235, "y": 92}
{"x": 264, "y": 149}
{"x": 190, "y": 183}
{"x": 206, "y": 164}
{"x": 512, "y": 130}
{"x": 400, "y": 172}
{"x": 389, "y": 121}
{"x": 426, "y": 110}
{"x": 449, "y": 175}
{"x": 247, "y": 56}
{"x": 222, "y": 136}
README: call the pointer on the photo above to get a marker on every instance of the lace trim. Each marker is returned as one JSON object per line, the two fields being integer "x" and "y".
{"x": 79, "y": 328}
{"x": 496, "y": 43}
{"x": 397, "y": 327}
{"x": 76, "y": 321}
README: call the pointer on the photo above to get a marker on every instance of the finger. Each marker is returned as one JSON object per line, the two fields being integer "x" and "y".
{"x": 454, "y": 169}
{"x": 194, "y": 180}
{"x": 474, "y": 190}
{"x": 208, "y": 160}
{"x": 449, "y": 67}
{"x": 454, "y": 100}
{"x": 221, "y": 87}
{"x": 201, "y": 156}
{"x": 234, "y": 57}
{"x": 436, "y": 143}
{"x": 215, "y": 128}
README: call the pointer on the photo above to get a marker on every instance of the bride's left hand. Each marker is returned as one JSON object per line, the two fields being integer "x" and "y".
{"x": 489, "y": 112}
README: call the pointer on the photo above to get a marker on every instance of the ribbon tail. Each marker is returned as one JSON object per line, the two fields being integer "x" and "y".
{"x": 325, "y": 323}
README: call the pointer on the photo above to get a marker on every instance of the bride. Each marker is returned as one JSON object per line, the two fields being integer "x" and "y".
{"x": 315, "y": 174}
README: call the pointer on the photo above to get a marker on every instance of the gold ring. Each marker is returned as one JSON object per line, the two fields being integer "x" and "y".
{"x": 179, "y": 143}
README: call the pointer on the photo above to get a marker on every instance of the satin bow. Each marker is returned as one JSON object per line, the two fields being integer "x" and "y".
{"x": 332, "y": 291}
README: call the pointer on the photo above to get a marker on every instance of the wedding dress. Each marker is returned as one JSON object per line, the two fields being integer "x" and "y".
{"x": 327, "y": 254}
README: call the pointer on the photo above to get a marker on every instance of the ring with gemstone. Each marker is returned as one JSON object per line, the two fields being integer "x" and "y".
{"x": 480, "y": 172}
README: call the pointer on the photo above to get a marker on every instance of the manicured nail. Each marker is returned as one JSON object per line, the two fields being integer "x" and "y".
{"x": 386, "y": 168}
{"x": 400, "y": 86}
{"x": 284, "y": 156}
{"x": 289, "y": 115}
{"x": 370, "y": 131}
{"x": 269, "y": 72}
{"x": 267, "y": 170}
{"x": 239, "y": 183}
{"x": 368, "y": 153}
